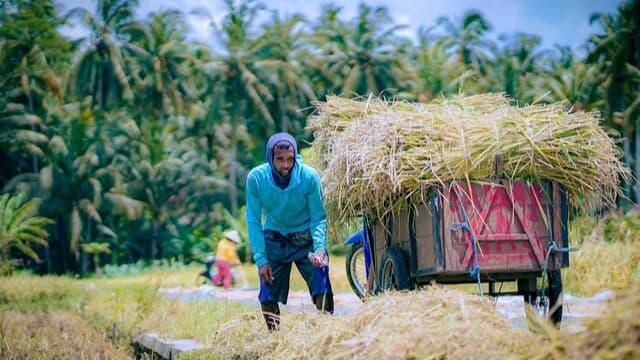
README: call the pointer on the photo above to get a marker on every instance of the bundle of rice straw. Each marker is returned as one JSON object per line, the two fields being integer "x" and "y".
{"x": 434, "y": 323}
{"x": 379, "y": 156}
{"x": 430, "y": 324}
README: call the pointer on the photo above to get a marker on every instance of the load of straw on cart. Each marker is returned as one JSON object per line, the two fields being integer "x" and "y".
{"x": 379, "y": 156}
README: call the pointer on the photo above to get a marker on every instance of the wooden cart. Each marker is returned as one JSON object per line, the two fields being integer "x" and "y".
{"x": 516, "y": 227}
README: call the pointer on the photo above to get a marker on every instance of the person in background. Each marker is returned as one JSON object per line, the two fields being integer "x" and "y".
{"x": 288, "y": 194}
{"x": 226, "y": 257}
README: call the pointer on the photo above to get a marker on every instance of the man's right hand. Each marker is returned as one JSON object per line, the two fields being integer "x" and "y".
{"x": 266, "y": 274}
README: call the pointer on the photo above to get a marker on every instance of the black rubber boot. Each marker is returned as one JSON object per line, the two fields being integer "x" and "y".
{"x": 271, "y": 314}
{"x": 324, "y": 302}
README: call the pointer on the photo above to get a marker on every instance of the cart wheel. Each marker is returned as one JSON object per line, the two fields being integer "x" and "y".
{"x": 394, "y": 273}
{"x": 356, "y": 270}
{"x": 547, "y": 305}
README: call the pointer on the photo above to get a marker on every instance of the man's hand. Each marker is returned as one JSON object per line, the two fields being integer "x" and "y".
{"x": 319, "y": 259}
{"x": 266, "y": 274}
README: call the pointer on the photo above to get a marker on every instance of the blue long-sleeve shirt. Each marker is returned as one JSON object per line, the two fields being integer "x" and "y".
{"x": 296, "y": 208}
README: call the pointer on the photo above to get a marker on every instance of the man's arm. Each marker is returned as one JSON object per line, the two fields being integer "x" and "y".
{"x": 318, "y": 216}
{"x": 254, "y": 222}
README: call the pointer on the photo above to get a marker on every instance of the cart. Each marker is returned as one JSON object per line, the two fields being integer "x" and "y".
{"x": 491, "y": 232}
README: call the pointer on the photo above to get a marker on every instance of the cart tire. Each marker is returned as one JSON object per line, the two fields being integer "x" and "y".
{"x": 553, "y": 297}
{"x": 394, "y": 273}
{"x": 356, "y": 270}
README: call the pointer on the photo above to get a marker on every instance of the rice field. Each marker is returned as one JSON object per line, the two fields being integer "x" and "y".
{"x": 374, "y": 156}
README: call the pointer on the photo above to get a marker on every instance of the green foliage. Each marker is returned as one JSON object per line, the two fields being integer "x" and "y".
{"x": 145, "y": 297}
{"x": 622, "y": 227}
{"x": 151, "y": 135}
{"x": 20, "y": 228}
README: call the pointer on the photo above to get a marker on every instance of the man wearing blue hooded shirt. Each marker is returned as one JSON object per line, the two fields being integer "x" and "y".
{"x": 289, "y": 195}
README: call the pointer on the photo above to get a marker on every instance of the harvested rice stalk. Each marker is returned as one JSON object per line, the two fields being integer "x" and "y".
{"x": 381, "y": 156}
{"x": 428, "y": 324}
{"x": 435, "y": 323}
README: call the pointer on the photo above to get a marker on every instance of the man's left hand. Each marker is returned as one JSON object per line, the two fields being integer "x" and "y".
{"x": 320, "y": 259}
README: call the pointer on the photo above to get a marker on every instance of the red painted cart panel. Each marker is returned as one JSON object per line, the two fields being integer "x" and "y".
{"x": 512, "y": 222}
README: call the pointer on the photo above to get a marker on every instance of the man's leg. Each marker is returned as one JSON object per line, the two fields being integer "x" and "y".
{"x": 322, "y": 296}
{"x": 277, "y": 292}
{"x": 271, "y": 314}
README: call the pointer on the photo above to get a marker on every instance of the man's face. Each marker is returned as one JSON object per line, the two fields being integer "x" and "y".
{"x": 283, "y": 160}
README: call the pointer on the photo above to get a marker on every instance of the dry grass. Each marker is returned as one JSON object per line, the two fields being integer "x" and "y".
{"x": 608, "y": 255}
{"x": 614, "y": 336}
{"x": 53, "y": 334}
{"x": 430, "y": 324}
{"x": 599, "y": 265}
{"x": 186, "y": 277}
{"x": 376, "y": 155}
{"x": 25, "y": 291}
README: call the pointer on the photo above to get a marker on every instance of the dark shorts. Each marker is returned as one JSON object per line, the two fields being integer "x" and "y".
{"x": 282, "y": 251}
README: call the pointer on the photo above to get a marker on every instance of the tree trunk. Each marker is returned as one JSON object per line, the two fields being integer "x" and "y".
{"x": 154, "y": 236}
{"x": 637, "y": 163}
{"x": 84, "y": 260}
{"x": 628, "y": 157}
{"x": 233, "y": 188}
{"x": 34, "y": 158}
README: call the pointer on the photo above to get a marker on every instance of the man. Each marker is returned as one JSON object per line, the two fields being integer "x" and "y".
{"x": 226, "y": 257}
{"x": 288, "y": 193}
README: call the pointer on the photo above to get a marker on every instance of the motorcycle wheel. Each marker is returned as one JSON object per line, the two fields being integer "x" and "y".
{"x": 356, "y": 270}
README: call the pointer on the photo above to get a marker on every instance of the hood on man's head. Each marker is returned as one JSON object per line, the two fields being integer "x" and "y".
{"x": 276, "y": 138}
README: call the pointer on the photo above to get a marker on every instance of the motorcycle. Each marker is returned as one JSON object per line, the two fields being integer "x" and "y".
{"x": 358, "y": 263}
{"x": 206, "y": 276}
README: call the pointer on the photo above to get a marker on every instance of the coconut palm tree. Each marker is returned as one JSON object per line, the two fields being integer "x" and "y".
{"x": 99, "y": 70}
{"x": 518, "y": 65}
{"x": 466, "y": 40}
{"x": 288, "y": 60}
{"x": 573, "y": 81}
{"x": 366, "y": 54}
{"x": 19, "y": 228}
{"x": 79, "y": 159}
{"x": 32, "y": 54}
{"x": 617, "y": 51}
{"x": 240, "y": 88}
{"x": 160, "y": 64}
{"x": 438, "y": 74}
{"x": 21, "y": 133}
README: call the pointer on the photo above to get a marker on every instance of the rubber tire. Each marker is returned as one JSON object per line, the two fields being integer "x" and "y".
{"x": 352, "y": 255}
{"x": 393, "y": 266}
{"x": 554, "y": 292}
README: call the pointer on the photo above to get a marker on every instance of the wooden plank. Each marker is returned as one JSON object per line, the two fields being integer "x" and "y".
{"x": 449, "y": 253}
{"x": 380, "y": 243}
{"x": 425, "y": 246}
{"x": 519, "y": 211}
{"x": 477, "y": 222}
{"x": 556, "y": 259}
{"x": 501, "y": 237}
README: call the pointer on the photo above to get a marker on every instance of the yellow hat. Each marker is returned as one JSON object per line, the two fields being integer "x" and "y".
{"x": 232, "y": 235}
